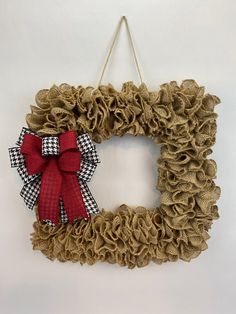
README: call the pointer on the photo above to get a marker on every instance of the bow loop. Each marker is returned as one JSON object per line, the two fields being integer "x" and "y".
{"x": 31, "y": 150}
{"x": 31, "y": 144}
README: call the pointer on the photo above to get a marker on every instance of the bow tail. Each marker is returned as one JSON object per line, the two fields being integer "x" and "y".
{"x": 89, "y": 201}
{"x": 30, "y": 192}
{"x": 72, "y": 197}
{"x": 50, "y": 190}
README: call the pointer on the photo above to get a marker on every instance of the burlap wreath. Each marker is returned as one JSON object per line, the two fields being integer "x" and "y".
{"x": 179, "y": 118}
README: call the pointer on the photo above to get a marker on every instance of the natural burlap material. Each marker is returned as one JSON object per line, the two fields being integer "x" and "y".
{"x": 179, "y": 118}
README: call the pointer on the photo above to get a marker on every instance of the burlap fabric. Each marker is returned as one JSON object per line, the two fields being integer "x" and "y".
{"x": 179, "y": 118}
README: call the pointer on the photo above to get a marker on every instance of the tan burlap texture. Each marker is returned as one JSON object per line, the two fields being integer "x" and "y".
{"x": 179, "y": 118}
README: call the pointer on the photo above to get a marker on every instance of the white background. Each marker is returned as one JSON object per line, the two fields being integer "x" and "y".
{"x": 45, "y": 42}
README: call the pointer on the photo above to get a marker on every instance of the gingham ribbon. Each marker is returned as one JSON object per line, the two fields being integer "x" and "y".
{"x": 55, "y": 171}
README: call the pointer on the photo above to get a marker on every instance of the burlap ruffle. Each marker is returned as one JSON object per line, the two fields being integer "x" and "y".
{"x": 181, "y": 119}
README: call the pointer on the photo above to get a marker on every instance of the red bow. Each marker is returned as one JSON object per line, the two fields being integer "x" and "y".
{"x": 58, "y": 176}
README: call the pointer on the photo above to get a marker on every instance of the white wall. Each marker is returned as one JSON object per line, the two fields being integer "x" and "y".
{"x": 45, "y": 42}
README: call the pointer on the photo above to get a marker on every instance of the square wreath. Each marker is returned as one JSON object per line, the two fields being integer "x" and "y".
{"x": 181, "y": 119}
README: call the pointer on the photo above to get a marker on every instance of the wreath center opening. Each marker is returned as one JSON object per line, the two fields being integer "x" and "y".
{"x": 127, "y": 173}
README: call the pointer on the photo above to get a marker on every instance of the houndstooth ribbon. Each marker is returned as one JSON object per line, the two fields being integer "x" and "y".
{"x": 51, "y": 147}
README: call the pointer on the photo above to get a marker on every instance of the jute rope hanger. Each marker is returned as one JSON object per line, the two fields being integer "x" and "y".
{"x": 123, "y": 19}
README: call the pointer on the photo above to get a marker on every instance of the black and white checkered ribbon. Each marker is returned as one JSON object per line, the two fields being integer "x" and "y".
{"x": 50, "y": 146}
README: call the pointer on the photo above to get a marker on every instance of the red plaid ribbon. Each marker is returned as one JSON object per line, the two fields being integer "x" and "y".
{"x": 58, "y": 176}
